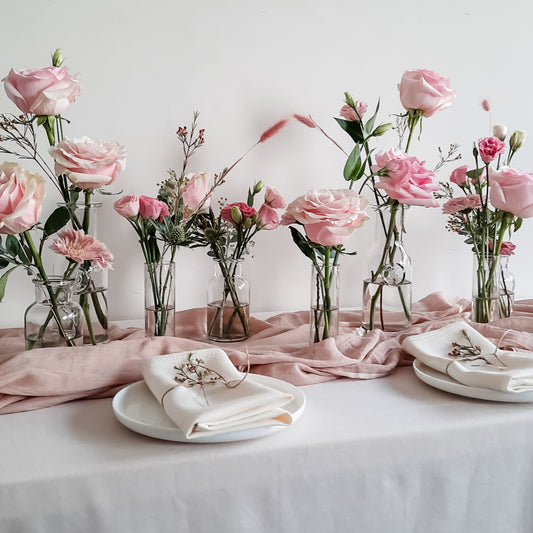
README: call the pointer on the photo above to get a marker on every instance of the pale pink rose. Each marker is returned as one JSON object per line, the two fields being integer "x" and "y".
{"x": 268, "y": 217}
{"x": 456, "y": 205}
{"x": 511, "y": 190}
{"x": 47, "y": 91}
{"x": 274, "y": 199}
{"x": 489, "y": 148}
{"x": 196, "y": 190}
{"x": 458, "y": 176}
{"x": 426, "y": 91}
{"x": 507, "y": 248}
{"x": 21, "y": 196}
{"x": 89, "y": 163}
{"x": 329, "y": 216}
{"x": 348, "y": 113}
{"x": 152, "y": 208}
{"x": 127, "y": 206}
{"x": 406, "y": 179}
{"x": 79, "y": 247}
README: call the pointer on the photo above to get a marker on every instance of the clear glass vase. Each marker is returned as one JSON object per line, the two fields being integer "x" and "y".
{"x": 324, "y": 311}
{"x": 228, "y": 302}
{"x": 91, "y": 283}
{"x": 493, "y": 287}
{"x": 54, "y": 319}
{"x": 387, "y": 294}
{"x": 159, "y": 299}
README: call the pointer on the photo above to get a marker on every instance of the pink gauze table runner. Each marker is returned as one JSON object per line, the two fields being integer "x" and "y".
{"x": 278, "y": 347}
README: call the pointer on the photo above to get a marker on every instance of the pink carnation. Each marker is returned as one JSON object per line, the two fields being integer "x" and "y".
{"x": 406, "y": 179}
{"x": 456, "y": 205}
{"x": 245, "y": 209}
{"x": 79, "y": 247}
{"x": 489, "y": 148}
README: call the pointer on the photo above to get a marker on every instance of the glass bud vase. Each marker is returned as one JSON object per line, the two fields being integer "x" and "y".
{"x": 159, "y": 299}
{"x": 387, "y": 286}
{"x": 228, "y": 302}
{"x": 91, "y": 283}
{"x": 54, "y": 319}
{"x": 324, "y": 312}
{"x": 493, "y": 288}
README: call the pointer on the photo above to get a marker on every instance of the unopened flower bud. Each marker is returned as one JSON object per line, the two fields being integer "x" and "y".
{"x": 248, "y": 223}
{"x": 518, "y": 138}
{"x": 349, "y": 100}
{"x": 257, "y": 187}
{"x": 382, "y": 129}
{"x": 499, "y": 131}
{"x": 57, "y": 58}
{"x": 254, "y": 218}
{"x": 236, "y": 214}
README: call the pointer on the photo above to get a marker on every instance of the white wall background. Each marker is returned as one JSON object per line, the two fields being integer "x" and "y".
{"x": 145, "y": 66}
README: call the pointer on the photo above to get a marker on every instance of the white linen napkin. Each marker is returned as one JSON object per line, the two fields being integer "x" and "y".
{"x": 501, "y": 370}
{"x": 214, "y": 408}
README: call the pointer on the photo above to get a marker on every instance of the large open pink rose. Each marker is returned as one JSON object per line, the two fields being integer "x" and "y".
{"x": 21, "y": 196}
{"x": 329, "y": 216}
{"x": 406, "y": 179}
{"x": 89, "y": 163}
{"x": 426, "y": 91}
{"x": 47, "y": 91}
{"x": 511, "y": 190}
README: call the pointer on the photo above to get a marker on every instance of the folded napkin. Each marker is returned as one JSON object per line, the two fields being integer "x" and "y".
{"x": 213, "y": 408}
{"x": 503, "y": 370}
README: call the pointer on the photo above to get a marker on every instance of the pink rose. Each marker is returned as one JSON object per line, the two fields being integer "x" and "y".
{"x": 127, "y": 206}
{"x": 507, "y": 248}
{"x": 152, "y": 208}
{"x": 348, "y": 113}
{"x": 458, "y": 176}
{"x": 329, "y": 216}
{"x": 21, "y": 196}
{"x": 197, "y": 188}
{"x": 47, "y": 91}
{"x": 268, "y": 217}
{"x": 274, "y": 199}
{"x": 245, "y": 210}
{"x": 489, "y": 148}
{"x": 406, "y": 178}
{"x": 79, "y": 247}
{"x": 89, "y": 163}
{"x": 426, "y": 91}
{"x": 456, "y": 205}
{"x": 511, "y": 190}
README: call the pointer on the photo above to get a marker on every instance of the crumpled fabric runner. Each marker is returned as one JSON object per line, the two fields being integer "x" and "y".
{"x": 278, "y": 347}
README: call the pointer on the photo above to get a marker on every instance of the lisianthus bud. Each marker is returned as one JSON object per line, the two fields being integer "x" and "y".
{"x": 249, "y": 222}
{"x": 499, "y": 131}
{"x": 57, "y": 58}
{"x": 349, "y": 100}
{"x": 518, "y": 138}
{"x": 257, "y": 187}
{"x": 236, "y": 214}
{"x": 382, "y": 129}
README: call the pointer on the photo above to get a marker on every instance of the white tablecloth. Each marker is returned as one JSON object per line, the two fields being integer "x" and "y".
{"x": 388, "y": 455}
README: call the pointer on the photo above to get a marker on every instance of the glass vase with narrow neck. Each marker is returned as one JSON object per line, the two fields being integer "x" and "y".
{"x": 159, "y": 299}
{"x": 324, "y": 311}
{"x": 387, "y": 294}
{"x": 493, "y": 288}
{"x": 92, "y": 283}
{"x": 228, "y": 302}
{"x": 54, "y": 319}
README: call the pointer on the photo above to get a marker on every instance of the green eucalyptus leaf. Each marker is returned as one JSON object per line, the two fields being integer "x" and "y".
{"x": 3, "y": 282}
{"x": 57, "y": 220}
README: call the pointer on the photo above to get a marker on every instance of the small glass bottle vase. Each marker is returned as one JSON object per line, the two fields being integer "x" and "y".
{"x": 228, "y": 302}
{"x": 159, "y": 299}
{"x": 493, "y": 287}
{"x": 387, "y": 286}
{"x": 91, "y": 283}
{"x": 54, "y": 319}
{"x": 324, "y": 312}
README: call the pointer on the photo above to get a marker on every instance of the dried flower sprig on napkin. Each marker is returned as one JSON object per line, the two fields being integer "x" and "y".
{"x": 471, "y": 352}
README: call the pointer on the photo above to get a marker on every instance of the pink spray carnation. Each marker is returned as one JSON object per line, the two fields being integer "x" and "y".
{"x": 489, "y": 148}
{"x": 245, "y": 209}
{"x": 79, "y": 247}
{"x": 127, "y": 206}
{"x": 406, "y": 179}
{"x": 21, "y": 196}
{"x": 456, "y": 205}
{"x": 152, "y": 208}
{"x": 47, "y": 91}
{"x": 511, "y": 190}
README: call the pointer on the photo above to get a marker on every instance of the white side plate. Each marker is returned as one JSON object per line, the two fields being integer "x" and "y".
{"x": 443, "y": 382}
{"x": 136, "y": 408}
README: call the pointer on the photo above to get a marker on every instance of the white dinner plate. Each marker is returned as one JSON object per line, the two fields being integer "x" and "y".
{"x": 443, "y": 382}
{"x": 136, "y": 408}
